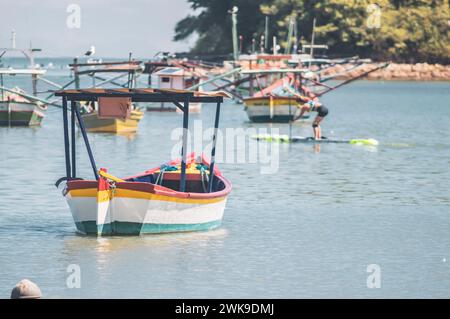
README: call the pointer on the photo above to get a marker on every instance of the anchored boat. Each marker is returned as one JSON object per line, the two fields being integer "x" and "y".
{"x": 93, "y": 121}
{"x": 277, "y": 102}
{"x": 188, "y": 194}
{"x": 17, "y": 110}
{"x": 96, "y": 123}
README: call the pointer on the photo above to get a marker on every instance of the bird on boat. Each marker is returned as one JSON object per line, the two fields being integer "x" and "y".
{"x": 91, "y": 51}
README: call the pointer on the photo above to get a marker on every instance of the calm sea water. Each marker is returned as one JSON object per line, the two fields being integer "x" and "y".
{"x": 309, "y": 230}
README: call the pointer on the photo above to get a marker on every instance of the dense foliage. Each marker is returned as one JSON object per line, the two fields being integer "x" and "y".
{"x": 400, "y": 30}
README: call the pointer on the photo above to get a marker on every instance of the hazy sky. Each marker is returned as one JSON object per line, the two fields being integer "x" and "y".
{"x": 114, "y": 27}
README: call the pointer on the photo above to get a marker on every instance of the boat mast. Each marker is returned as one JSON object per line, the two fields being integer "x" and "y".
{"x": 233, "y": 13}
{"x": 266, "y": 34}
{"x": 311, "y": 50}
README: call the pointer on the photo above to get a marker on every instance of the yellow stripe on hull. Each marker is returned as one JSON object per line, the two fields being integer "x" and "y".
{"x": 267, "y": 102}
{"x": 103, "y": 196}
{"x": 95, "y": 124}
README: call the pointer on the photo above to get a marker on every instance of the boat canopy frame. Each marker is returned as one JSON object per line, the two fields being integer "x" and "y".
{"x": 180, "y": 98}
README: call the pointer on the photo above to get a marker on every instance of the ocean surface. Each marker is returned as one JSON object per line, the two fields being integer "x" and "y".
{"x": 309, "y": 228}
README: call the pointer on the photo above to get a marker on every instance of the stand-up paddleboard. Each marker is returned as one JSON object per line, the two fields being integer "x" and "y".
{"x": 300, "y": 139}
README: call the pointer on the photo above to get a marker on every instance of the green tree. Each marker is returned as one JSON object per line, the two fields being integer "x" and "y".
{"x": 408, "y": 30}
{"x": 212, "y": 24}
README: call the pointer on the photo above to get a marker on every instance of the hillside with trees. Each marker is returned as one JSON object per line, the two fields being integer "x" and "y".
{"x": 400, "y": 30}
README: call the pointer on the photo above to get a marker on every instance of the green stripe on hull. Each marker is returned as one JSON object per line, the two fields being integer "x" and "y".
{"x": 127, "y": 228}
{"x": 20, "y": 119}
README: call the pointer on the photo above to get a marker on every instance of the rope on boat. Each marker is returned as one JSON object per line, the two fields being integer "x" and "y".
{"x": 203, "y": 173}
{"x": 162, "y": 169}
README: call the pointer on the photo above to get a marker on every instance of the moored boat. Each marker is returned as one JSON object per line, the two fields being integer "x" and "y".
{"x": 279, "y": 102}
{"x": 188, "y": 194}
{"x": 16, "y": 110}
{"x": 150, "y": 202}
{"x": 95, "y": 123}
{"x": 95, "y": 69}
{"x": 276, "y": 109}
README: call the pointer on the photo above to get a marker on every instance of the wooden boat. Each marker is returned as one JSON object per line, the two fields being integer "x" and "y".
{"x": 278, "y": 102}
{"x": 150, "y": 202}
{"x": 188, "y": 194}
{"x": 275, "y": 109}
{"x": 95, "y": 69}
{"x": 16, "y": 110}
{"x": 94, "y": 123}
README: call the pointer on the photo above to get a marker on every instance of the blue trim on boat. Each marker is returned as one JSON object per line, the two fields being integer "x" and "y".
{"x": 127, "y": 228}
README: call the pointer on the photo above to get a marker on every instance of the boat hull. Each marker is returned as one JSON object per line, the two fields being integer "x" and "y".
{"x": 277, "y": 110}
{"x": 20, "y": 113}
{"x": 94, "y": 123}
{"x": 134, "y": 207}
{"x": 136, "y": 213}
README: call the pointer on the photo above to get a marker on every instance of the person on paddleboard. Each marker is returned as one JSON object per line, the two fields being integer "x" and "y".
{"x": 322, "y": 111}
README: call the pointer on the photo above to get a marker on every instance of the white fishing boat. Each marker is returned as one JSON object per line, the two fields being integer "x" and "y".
{"x": 187, "y": 194}
{"x": 17, "y": 107}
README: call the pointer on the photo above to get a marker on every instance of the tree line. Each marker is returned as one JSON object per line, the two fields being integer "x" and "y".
{"x": 400, "y": 30}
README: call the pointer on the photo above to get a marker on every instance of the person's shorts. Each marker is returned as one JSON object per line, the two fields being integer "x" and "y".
{"x": 323, "y": 111}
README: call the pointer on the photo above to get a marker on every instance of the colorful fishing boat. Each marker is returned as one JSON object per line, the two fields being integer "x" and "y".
{"x": 150, "y": 202}
{"x": 95, "y": 123}
{"x": 187, "y": 194}
{"x": 279, "y": 102}
{"x": 16, "y": 110}
{"x": 89, "y": 109}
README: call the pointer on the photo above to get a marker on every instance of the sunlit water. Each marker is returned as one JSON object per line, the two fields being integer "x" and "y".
{"x": 308, "y": 230}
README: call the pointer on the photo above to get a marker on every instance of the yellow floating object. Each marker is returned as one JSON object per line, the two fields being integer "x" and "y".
{"x": 369, "y": 141}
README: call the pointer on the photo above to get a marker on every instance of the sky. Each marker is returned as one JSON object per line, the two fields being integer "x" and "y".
{"x": 114, "y": 27}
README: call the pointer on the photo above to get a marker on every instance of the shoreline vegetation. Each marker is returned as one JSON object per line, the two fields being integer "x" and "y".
{"x": 401, "y": 31}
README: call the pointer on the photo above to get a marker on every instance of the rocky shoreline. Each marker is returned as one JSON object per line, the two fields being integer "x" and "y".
{"x": 396, "y": 71}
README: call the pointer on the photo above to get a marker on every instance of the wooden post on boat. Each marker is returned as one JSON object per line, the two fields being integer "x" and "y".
{"x": 184, "y": 147}
{"x": 86, "y": 141}
{"x": 311, "y": 51}
{"x": 73, "y": 106}
{"x": 129, "y": 85}
{"x": 75, "y": 73}
{"x": 66, "y": 137}
{"x": 213, "y": 150}
{"x": 34, "y": 84}
{"x": 1, "y": 84}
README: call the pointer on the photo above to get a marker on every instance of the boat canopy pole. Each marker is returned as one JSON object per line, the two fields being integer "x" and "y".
{"x": 66, "y": 138}
{"x": 184, "y": 148}
{"x": 215, "y": 78}
{"x": 72, "y": 127}
{"x": 125, "y": 86}
{"x": 28, "y": 96}
{"x": 112, "y": 80}
{"x": 213, "y": 150}
{"x": 86, "y": 141}
{"x": 178, "y": 105}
